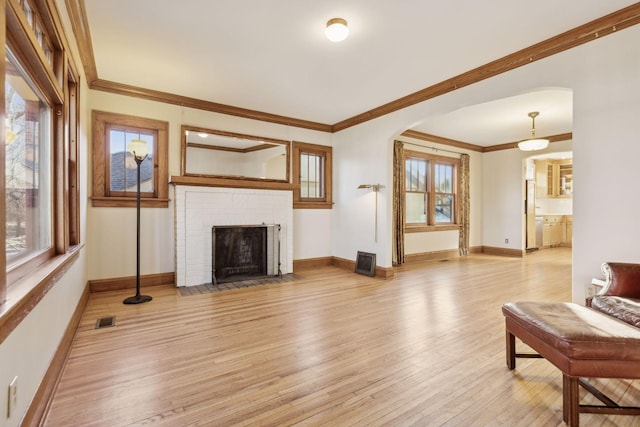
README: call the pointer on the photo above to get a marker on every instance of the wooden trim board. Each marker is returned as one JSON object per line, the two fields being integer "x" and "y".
{"x": 118, "y": 283}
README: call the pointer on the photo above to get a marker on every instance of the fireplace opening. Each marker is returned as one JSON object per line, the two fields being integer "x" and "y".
{"x": 241, "y": 252}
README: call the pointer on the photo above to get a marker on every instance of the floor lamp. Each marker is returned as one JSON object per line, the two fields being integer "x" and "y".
{"x": 139, "y": 149}
{"x": 376, "y": 188}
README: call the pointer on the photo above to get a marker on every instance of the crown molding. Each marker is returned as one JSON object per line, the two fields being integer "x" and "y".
{"x": 185, "y": 101}
{"x": 606, "y": 25}
{"x": 473, "y": 147}
{"x": 590, "y": 31}
{"x": 80, "y": 28}
{"x": 440, "y": 140}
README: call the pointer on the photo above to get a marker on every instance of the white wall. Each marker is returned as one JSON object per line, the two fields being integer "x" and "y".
{"x": 112, "y": 230}
{"x": 606, "y": 154}
{"x": 29, "y": 349}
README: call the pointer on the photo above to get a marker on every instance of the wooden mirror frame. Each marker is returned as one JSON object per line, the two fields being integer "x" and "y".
{"x": 259, "y": 139}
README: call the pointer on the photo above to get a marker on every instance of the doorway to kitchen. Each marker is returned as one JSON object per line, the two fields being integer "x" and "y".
{"x": 549, "y": 201}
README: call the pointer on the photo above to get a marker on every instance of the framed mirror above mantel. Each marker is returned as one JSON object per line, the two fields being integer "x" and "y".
{"x": 218, "y": 158}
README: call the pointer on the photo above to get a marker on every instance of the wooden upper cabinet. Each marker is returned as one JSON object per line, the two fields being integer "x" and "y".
{"x": 542, "y": 178}
{"x": 554, "y": 178}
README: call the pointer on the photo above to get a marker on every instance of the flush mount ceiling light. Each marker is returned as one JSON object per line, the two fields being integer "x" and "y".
{"x": 533, "y": 143}
{"x": 336, "y": 30}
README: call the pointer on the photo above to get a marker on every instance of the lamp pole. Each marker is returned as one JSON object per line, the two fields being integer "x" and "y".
{"x": 137, "y": 299}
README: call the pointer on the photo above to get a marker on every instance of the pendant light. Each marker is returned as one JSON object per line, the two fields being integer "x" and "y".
{"x": 533, "y": 143}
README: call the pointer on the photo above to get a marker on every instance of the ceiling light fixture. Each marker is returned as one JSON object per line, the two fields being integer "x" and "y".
{"x": 533, "y": 143}
{"x": 336, "y": 30}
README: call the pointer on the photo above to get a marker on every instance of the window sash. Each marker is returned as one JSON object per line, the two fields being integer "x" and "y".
{"x": 28, "y": 183}
{"x": 121, "y": 166}
{"x": 312, "y": 176}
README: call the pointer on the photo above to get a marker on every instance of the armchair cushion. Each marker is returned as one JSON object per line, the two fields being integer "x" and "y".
{"x": 625, "y": 309}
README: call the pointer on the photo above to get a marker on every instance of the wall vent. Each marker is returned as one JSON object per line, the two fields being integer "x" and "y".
{"x": 105, "y": 322}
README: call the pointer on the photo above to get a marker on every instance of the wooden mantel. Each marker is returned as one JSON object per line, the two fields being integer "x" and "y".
{"x": 207, "y": 181}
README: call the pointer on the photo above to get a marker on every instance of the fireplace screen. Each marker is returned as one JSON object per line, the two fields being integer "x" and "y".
{"x": 241, "y": 252}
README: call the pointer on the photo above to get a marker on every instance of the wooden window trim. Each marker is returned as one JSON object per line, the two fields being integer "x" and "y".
{"x": 73, "y": 154}
{"x": 322, "y": 150}
{"x": 27, "y": 283}
{"x": 431, "y": 225}
{"x": 101, "y": 196}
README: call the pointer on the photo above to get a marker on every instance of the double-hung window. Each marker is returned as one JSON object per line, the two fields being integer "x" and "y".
{"x": 40, "y": 158}
{"x": 431, "y": 185}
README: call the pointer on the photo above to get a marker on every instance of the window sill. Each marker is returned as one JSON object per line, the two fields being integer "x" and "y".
{"x": 25, "y": 294}
{"x": 429, "y": 228}
{"x": 128, "y": 202}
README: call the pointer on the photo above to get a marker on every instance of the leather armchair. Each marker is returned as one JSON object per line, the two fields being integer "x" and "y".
{"x": 620, "y": 297}
{"x": 622, "y": 279}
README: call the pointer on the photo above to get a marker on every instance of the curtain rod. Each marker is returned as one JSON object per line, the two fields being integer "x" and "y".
{"x": 433, "y": 148}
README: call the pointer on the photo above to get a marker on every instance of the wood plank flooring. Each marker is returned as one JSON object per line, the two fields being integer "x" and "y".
{"x": 425, "y": 348}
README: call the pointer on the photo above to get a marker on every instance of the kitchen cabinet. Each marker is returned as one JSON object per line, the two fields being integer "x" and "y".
{"x": 557, "y": 230}
{"x": 564, "y": 179}
{"x": 554, "y": 178}
{"x": 541, "y": 178}
{"x": 552, "y": 230}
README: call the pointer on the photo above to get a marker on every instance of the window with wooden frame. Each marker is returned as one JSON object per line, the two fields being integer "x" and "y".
{"x": 431, "y": 192}
{"x": 40, "y": 166}
{"x": 312, "y": 169}
{"x": 114, "y": 168}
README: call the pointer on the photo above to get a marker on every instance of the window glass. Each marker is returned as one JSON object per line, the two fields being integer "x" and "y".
{"x": 416, "y": 175}
{"x": 444, "y": 208}
{"x": 311, "y": 167}
{"x": 416, "y": 208}
{"x": 123, "y": 169}
{"x": 443, "y": 176}
{"x": 27, "y": 170}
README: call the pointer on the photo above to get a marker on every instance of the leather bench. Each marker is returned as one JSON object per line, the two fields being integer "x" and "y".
{"x": 582, "y": 343}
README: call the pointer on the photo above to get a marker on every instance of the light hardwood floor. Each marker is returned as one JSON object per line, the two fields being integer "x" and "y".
{"x": 333, "y": 348}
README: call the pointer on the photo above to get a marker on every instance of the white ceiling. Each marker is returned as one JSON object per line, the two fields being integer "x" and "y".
{"x": 272, "y": 56}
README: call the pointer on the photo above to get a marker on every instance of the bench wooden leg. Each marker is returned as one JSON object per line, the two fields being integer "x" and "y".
{"x": 570, "y": 400}
{"x": 511, "y": 350}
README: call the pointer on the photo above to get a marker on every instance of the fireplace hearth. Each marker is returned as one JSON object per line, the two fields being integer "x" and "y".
{"x": 241, "y": 252}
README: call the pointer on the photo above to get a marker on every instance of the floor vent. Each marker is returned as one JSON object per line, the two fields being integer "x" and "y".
{"x": 106, "y": 322}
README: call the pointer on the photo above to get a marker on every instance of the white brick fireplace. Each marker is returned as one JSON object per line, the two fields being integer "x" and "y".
{"x": 197, "y": 209}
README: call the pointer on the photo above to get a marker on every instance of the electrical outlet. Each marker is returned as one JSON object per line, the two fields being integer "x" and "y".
{"x": 591, "y": 291}
{"x": 506, "y": 240}
{"x": 13, "y": 397}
